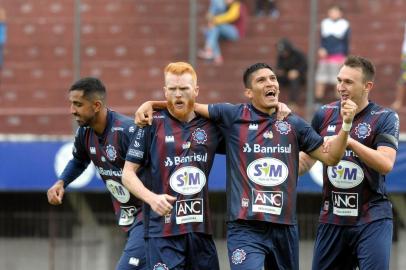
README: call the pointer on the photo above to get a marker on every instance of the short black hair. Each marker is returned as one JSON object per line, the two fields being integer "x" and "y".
{"x": 251, "y": 69}
{"x": 367, "y": 67}
{"x": 92, "y": 88}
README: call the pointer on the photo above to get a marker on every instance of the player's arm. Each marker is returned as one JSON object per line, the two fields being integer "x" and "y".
{"x": 160, "y": 203}
{"x": 73, "y": 169}
{"x": 338, "y": 143}
{"x": 381, "y": 160}
{"x": 337, "y": 149}
{"x": 282, "y": 110}
{"x": 306, "y": 162}
{"x": 143, "y": 116}
{"x": 202, "y": 109}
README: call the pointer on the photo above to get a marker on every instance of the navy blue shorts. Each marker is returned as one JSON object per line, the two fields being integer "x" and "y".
{"x": 253, "y": 245}
{"x": 191, "y": 251}
{"x": 367, "y": 246}
{"x": 133, "y": 256}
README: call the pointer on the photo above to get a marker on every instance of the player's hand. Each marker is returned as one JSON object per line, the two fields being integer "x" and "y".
{"x": 55, "y": 193}
{"x": 350, "y": 142}
{"x": 162, "y": 204}
{"x": 328, "y": 140}
{"x": 282, "y": 111}
{"x": 348, "y": 110}
{"x": 143, "y": 116}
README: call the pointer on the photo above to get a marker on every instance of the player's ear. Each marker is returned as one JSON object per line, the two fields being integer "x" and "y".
{"x": 248, "y": 93}
{"x": 368, "y": 86}
{"x": 97, "y": 105}
{"x": 196, "y": 90}
{"x": 165, "y": 92}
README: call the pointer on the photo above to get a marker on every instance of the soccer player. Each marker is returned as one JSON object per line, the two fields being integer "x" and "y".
{"x": 103, "y": 137}
{"x": 262, "y": 170}
{"x": 177, "y": 152}
{"x": 355, "y": 225}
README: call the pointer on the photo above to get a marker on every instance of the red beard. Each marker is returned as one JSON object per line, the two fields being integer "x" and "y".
{"x": 181, "y": 114}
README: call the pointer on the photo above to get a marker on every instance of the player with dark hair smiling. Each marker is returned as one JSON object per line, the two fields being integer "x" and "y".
{"x": 262, "y": 170}
{"x": 103, "y": 137}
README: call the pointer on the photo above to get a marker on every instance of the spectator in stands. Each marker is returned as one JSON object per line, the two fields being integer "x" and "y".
{"x": 291, "y": 67}
{"x": 216, "y": 7}
{"x": 103, "y": 137}
{"x": 229, "y": 25}
{"x": 401, "y": 84}
{"x": 3, "y": 35}
{"x": 263, "y": 7}
{"x": 335, "y": 33}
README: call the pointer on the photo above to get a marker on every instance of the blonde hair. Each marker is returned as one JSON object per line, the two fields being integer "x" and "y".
{"x": 180, "y": 68}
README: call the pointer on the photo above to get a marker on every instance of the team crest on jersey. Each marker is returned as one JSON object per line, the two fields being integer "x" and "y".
{"x": 131, "y": 129}
{"x": 111, "y": 152}
{"x": 238, "y": 256}
{"x": 282, "y": 127}
{"x": 363, "y": 130}
{"x": 160, "y": 266}
{"x": 199, "y": 135}
{"x": 268, "y": 134}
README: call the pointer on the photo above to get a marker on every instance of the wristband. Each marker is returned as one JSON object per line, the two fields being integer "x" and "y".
{"x": 346, "y": 126}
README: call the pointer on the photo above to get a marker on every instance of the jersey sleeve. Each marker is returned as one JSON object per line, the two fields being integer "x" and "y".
{"x": 316, "y": 121}
{"x": 308, "y": 138}
{"x": 137, "y": 150}
{"x": 223, "y": 113}
{"x": 388, "y": 132}
{"x": 127, "y": 136}
{"x": 221, "y": 147}
{"x": 79, "y": 161}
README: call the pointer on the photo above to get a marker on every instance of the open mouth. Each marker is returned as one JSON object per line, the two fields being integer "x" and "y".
{"x": 179, "y": 104}
{"x": 270, "y": 93}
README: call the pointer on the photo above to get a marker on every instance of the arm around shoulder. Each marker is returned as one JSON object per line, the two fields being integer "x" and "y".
{"x": 202, "y": 109}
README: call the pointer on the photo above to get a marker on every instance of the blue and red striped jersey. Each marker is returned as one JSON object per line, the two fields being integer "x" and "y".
{"x": 354, "y": 193}
{"x": 107, "y": 152}
{"x": 177, "y": 157}
{"x": 262, "y": 161}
